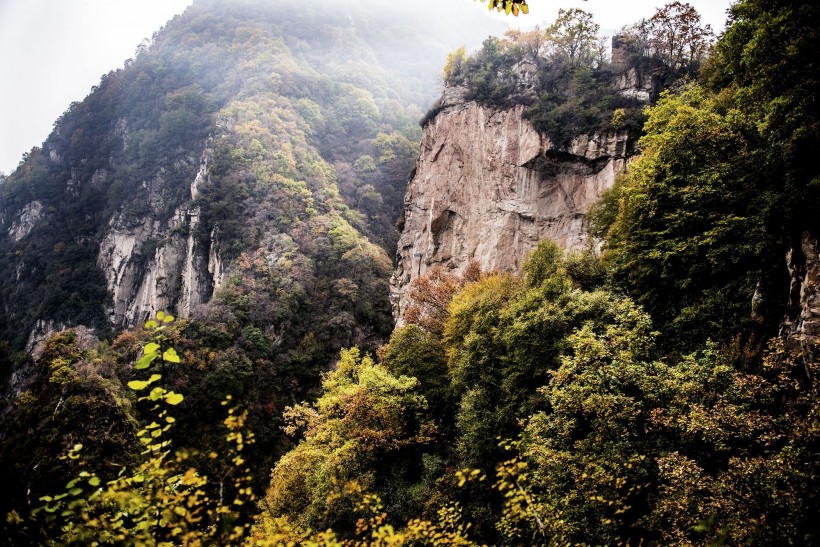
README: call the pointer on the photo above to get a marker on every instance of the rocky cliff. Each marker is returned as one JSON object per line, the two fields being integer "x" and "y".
{"x": 179, "y": 271}
{"x": 488, "y": 187}
{"x": 802, "y": 324}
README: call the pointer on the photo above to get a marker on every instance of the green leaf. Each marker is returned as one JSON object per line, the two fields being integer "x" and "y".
{"x": 160, "y": 315}
{"x": 170, "y": 355}
{"x": 145, "y": 361}
{"x": 94, "y": 481}
{"x": 168, "y": 319}
{"x": 156, "y": 394}
{"x": 137, "y": 385}
{"x": 151, "y": 324}
{"x": 173, "y": 398}
{"x": 154, "y": 378}
{"x": 151, "y": 347}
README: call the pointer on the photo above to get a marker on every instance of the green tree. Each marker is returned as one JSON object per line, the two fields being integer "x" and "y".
{"x": 689, "y": 240}
{"x": 363, "y": 428}
{"x": 574, "y": 38}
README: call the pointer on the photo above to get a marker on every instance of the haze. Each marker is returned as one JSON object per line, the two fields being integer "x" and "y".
{"x": 54, "y": 52}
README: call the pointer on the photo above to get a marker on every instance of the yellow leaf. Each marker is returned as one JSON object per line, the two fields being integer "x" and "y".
{"x": 137, "y": 385}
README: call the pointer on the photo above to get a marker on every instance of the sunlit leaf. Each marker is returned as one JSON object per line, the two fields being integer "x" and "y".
{"x": 173, "y": 398}
{"x": 137, "y": 385}
{"x": 171, "y": 356}
{"x": 145, "y": 361}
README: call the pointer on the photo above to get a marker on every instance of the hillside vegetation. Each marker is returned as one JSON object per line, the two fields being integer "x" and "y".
{"x": 655, "y": 389}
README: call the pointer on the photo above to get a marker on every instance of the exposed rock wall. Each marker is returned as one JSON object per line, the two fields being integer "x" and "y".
{"x": 152, "y": 266}
{"x": 803, "y": 327}
{"x": 488, "y": 187}
{"x": 26, "y": 220}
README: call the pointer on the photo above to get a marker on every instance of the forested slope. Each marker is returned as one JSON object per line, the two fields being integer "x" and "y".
{"x": 656, "y": 388}
{"x": 243, "y": 171}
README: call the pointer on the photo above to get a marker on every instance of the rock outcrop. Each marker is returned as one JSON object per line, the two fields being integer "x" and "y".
{"x": 152, "y": 266}
{"x": 488, "y": 187}
{"x": 802, "y": 327}
{"x": 26, "y": 220}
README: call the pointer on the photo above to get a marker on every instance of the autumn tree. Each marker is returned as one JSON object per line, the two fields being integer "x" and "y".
{"x": 574, "y": 38}
{"x": 531, "y": 43}
{"x": 430, "y": 296}
{"x": 363, "y": 428}
{"x": 677, "y": 36}
{"x": 509, "y": 6}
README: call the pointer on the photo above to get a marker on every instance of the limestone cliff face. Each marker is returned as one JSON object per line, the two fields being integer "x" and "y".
{"x": 488, "y": 187}
{"x": 152, "y": 266}
{"x": 28, "y": 217}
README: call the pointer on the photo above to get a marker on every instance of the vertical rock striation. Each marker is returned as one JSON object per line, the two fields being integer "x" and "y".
{"x": 151, "y": 266}
{"x": 488, "y": 187}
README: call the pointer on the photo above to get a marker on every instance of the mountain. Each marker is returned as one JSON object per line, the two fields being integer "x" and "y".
{"x": 244, "y": 171}
{"x": 240, "y": 123}
{"x": 606, "y": 287}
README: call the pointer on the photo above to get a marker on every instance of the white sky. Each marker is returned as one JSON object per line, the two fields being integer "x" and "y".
{"x": 53, "y": 51}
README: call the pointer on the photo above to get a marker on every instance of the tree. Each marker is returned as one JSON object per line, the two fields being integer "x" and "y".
{"x": 767, "y": 60}
{"x": 677, "y": 36}
{"x": 454, "y": 64}
{"x": 431, "y": 295}
{"x": 531, "y": 43}
{"x": 574, "y": 38}
{"x": 637, "y": 39}
{"x": 361, "y": 429}
{"x": 689, "y": 241}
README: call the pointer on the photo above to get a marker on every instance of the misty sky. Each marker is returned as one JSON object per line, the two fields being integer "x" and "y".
{"x": 53, "y": 51}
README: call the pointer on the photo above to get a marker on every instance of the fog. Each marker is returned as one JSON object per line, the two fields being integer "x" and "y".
{"x": 54, "y": 52}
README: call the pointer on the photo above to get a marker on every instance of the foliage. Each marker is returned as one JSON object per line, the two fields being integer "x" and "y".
{"x": 509, "y": 6}
{"x": 366, "y": 418}
{"x": 574, "y": 38}
{"x": 571, "y": 91}
{"x": 690, "y": 239}
{"x": 162, "y": 500}
{"x": 431, "y": 294}
{"x": 416, "y": 353}
{"x": 677, "y": 38}
{"x": 765, "y": 64}
{"x": 647, "y": 450}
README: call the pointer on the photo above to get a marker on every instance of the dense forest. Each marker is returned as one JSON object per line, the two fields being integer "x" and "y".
{"x": 658, "y": 387}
